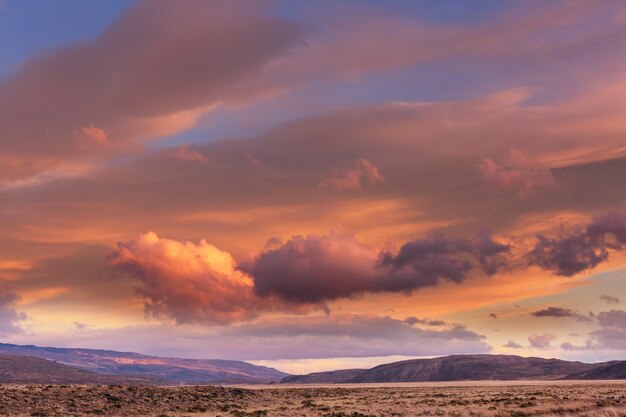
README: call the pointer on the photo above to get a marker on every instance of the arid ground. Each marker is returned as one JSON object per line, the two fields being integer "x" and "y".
{"x": 546, "y": 399}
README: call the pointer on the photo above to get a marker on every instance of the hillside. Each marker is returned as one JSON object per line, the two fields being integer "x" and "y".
{"x": 467, "y": 367}
{"x": 329, "y": 377}
{"x": 611, "y": 370}
{"x": 168, "y": 370}
{"x": 21, "y": 369}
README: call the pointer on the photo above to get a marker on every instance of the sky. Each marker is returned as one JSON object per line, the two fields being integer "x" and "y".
{"x": 314, "y": 185}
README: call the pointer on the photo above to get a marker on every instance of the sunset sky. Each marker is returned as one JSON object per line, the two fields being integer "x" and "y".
{"x": 314, "y": 185}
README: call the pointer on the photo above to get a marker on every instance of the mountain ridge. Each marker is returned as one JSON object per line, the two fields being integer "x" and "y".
{"x": 480, "y": 367}
{"x": 174, "y": 371}
{"x": 22, "y": 369}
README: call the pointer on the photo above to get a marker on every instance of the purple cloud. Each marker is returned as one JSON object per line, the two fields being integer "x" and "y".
{"x": 320, "y": 268}
{"x": 512, "y": 345}
{"x": 558, "y": 312}
{"x": 612, "y": 332}
{"x": 582, "y": 250}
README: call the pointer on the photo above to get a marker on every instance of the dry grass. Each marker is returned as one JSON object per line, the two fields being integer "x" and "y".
{"x": 592, "y": 400}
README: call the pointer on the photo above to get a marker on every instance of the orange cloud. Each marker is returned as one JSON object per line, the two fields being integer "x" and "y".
{"x": 190, "y": 282}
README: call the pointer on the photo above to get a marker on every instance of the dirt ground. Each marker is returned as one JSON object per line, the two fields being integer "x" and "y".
{"x": 604, "y": 399}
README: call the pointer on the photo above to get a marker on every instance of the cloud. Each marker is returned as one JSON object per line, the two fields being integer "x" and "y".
{"x": 512, "y": 345}
{"x": 427, "y": 322}
{"x": 199, "y": 283}
{"x": 364, "y": 172}
{"x": 541, "y": 341}
{"x": 581, "y": 250}
{"x": 91, "y": 138}
{"x": 331, "y": 336}
{"x": 188, "y": 282}
{"x": 321, "y": 268}
{"x": 9, "y": 318}
{"x": 81, "y": 326}
{"x": 572, "y": 347}
{"x": 559, "y": 312}
{"x": 438, "y": 256}
{"x": 185, "y": 60}
{"x": 493, "y": 315}
{"x": 185, "y": 153}
{"x": 271, "y": 338}
{"x": 518, "y": 174}
{"x": 609, "y": 299}
{"x": 612, "y": 332}
{"x": 491, "y": 254}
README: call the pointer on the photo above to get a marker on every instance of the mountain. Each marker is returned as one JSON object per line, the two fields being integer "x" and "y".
{"x": 610, "y": 370}
{"x": 330, "y": 377}
{"x": 21, "y": 369}
{"x": 172, "y": 371}
{"x": 466, "y": 368}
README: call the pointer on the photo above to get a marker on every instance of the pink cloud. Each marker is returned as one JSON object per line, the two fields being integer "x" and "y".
{"x": 91, "y": 137}
{"x": 363, "y": 172}
{"x": 517, "y": 174}
{"x": 185, "y": 153}
{"x": 541, "y": 341}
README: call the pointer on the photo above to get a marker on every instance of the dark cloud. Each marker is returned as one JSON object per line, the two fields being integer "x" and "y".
{"x": 321, "y": 268}
{"x": 613, "y": 224}
{"x": 9, "y": 318}
{"x": 581, "y": 250}
{"x": 414, "y": 320}
{"x": 560, "y": 312}
{"x": 512, "y": 345}
{"x": 490, "y": 253}
{"x": 493, "y": 315}
{"x": 609, "y": 299}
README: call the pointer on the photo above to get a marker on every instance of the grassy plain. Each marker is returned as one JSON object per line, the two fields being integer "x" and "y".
{"x": 507, "y": 399}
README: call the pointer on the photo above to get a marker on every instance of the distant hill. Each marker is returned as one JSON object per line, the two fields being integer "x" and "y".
{"x": 21, "y": 369}
{"x": 329, "y": 377}
{"x": 169, "y": 370}
{"x": 610, "y": 370}
{"x": 467, "y": 368}
{"x": 49, "y": 365}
